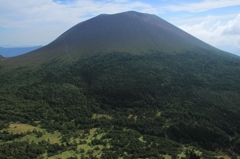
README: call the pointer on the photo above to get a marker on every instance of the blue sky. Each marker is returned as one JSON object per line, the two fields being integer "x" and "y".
{"x": 38, "y": 22}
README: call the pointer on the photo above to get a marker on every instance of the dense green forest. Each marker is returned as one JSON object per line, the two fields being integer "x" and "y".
{"x": 147, "y": 106}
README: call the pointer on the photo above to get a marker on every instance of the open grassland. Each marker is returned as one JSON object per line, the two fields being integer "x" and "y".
{"x": 50, "y": 137}
{"x": 226, "y": 157}
{"x": 158, "y": 114}
{"x": 33, "y": 133}
{"x": 135, "y": 117}
{"x": 63, "y": 155}
{"x": 95, "y": 116}
{"x": 17, "y": 128}
{"x": 85, "y": 144}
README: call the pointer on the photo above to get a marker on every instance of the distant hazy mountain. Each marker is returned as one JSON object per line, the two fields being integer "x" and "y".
{"x": 15, "y": 51}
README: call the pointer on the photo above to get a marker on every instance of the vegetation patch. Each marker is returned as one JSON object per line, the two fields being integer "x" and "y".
{"x": 17, "y": 128}
{"x": 227, "y": 157}
{"x": 50, "y": 137}
{"x": 135, "y": 117}
{"x": 63, "y": 155}
{"x": 26, "y": 132}
{"x": 101, "y": 116}
{"x": 158, "y": 114}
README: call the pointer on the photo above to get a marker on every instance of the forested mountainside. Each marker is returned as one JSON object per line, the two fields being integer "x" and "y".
{"x": 167, "y": 101}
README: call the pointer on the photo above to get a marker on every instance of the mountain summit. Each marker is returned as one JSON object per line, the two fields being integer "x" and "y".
{"x": 127, "y": 32}
{"x": 130, "y": 32}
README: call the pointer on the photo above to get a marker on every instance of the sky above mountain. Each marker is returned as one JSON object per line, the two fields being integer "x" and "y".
{"x": 34, "y": 22}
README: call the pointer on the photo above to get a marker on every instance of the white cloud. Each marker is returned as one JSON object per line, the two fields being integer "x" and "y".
{"x": 233, "y": 27}
{"x": 202, "y": 6}
{"x": 28, "y": 13}
{"x": 25, "y": 13}
{"x": 34, "y": 16}
{"x": 225, "y": 36}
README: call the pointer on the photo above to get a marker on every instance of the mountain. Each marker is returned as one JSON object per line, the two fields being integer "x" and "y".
{"x": 130, "y": 32}
{"x": 15, "y": 51}
{"x": 1, "y": 58}
{"x": 127, "y": 85}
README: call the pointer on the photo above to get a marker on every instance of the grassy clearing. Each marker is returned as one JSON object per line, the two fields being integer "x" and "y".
{"x": 199, "y": 153}
{"x": 63, "y": 155}
{"x": 134, "y": 117}
{"x": 84, "y": 147}
{"x": 226, "y": 157}
{"x": 141, "y": 139}
{"x": 130, "y": 116}
{"x": 87, "y": 137}
{"x": 101, "y": 116}
{"x": 158, "y": 114}
{"x": 181, "y": 155}
{"x": 167, "y": 156}
{"x": 17, "y": 128}
{"x": 51, "y": 137}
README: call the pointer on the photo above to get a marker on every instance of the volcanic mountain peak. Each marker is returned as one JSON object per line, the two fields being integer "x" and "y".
{"x": 135, "y": 15}
{"x": 131, "y": 32}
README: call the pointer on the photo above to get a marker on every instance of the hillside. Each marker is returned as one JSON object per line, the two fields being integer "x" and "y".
{"x": 1, "y": 57}
{"x": 156, "y": 103}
